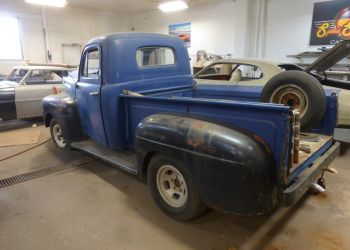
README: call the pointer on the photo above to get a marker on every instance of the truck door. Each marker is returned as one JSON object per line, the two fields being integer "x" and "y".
{"x": 88, "y": 94}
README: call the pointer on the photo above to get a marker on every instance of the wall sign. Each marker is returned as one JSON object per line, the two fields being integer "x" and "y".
{"x": 182, "y": 31}
{"x": 330, "y": 22}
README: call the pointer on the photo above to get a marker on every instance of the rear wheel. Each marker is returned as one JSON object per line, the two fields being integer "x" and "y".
{"x": 299, "y": 90}
{"x": 173, "y": 190}
{"x": 57, "y": 135}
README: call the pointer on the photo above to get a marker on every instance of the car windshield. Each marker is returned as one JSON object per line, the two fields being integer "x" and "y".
{"x": 231, "y": 72}
{"x": 289, "y": 66}
{"x": 17, "y": 75}
{"x": 44, "y": 76}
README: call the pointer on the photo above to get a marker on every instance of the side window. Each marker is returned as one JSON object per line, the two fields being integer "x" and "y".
{"x": 155, "y": 56}
{"x": 249, "y": 72}
{"x": 39, "y": 76}
{"x": 91, "y": 67}
{"x": 220, "y": 71}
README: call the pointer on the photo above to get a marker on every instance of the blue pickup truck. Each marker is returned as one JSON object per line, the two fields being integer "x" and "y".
{"x": 135, "y": 105}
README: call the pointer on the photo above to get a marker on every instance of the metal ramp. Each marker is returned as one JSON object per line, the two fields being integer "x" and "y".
{"x": 122, "y": 159}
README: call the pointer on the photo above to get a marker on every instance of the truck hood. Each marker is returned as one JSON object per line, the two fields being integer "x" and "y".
{"x": 330, "y": 57}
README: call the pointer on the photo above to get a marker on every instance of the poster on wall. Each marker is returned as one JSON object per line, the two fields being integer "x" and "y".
{"x": 330, "y": 22}
{"x": 182, "y": 31}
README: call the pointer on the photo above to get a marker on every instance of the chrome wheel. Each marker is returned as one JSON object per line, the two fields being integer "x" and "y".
{"x": 58, "y": 136}
{"x": 172, "y": 186}
{"x": 293, "y": 96}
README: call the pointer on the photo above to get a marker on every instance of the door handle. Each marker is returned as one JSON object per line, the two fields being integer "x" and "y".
{"x": 94, "y": 93}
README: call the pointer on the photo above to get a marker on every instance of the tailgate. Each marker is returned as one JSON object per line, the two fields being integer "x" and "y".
{"x": 311, "y": 147}
{"x": 311, "y": 167}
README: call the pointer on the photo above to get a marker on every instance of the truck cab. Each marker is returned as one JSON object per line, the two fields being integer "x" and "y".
{"x": 135, "y": 105}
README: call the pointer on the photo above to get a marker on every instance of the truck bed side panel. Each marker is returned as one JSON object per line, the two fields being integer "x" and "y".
{"x": 266, "y": 121}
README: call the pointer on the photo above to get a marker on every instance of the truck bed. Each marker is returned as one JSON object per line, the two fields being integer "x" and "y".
{"x": 312, "y": 141}
{"x": 271, "y": 122}
{"x": 316, "y": 144}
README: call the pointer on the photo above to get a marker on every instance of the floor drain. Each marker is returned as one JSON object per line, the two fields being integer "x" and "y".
{"x": 9, "y": 181}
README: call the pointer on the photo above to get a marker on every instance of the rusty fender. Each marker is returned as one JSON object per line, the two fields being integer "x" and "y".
{"x": 232, "y": 169}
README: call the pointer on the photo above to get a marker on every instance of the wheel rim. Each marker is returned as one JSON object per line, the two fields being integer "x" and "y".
{"x": 172, "y": 186}
{"x": 58, "y": 137}
{"x": 293, "y": 96}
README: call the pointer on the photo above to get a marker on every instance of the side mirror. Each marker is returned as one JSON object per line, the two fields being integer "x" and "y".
{"x": 65, "y": 73}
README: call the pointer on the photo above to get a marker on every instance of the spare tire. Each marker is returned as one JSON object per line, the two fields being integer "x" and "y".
{"x": 299, "y": 90}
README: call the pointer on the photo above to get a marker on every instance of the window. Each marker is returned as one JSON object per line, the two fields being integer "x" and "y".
{"x": 155, "y": 56}
{"x": 91, "y": 64}
{"x": 220, "y": 71}
{"x": 17, "y": 75}
{"x": 39, "y": 76}
{"x": 10, "y": 42}
{"x": 249, "y": 72}
{"x": 231, "y": 72}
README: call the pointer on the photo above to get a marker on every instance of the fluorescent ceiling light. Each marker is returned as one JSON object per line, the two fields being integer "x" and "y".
{"x": 172, "y": 6}
{"x": 52, "y": 3}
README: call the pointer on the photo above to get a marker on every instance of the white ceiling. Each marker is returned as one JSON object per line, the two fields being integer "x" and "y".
{"x": 122, "y": 6}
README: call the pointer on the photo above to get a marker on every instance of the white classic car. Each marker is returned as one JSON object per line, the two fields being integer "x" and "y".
{"x": 23, "y": 89}
{"x": 258, "y": 76}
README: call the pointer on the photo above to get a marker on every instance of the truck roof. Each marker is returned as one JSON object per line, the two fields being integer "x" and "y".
{"x": 120, "y": 57}
{"x": 130, "y": 35}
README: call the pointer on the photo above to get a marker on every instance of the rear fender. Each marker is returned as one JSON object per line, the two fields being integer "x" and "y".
{"x": 233, "y": 169}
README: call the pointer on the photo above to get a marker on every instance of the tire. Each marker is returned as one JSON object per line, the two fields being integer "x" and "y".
{"x": 184, "y": 205}
{"x": 299, "y": 90}
{"x": 57, "y": 136}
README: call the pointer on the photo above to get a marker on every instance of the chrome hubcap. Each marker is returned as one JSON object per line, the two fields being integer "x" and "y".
{"x": 172, "y": 186}
{"x": 57, "y": 135}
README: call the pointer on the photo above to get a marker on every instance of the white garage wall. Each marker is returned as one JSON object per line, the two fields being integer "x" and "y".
{"x": 79, "y": 26}
{"x": 288, "y": 28}
{"x": 218, "y": 27}
{"x": 229, "y": 26}
{"x": 31, "y": 31}
{"x": 71, "y": 25}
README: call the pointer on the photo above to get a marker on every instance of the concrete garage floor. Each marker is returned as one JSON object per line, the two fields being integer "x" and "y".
{"x": 98, "y": 207}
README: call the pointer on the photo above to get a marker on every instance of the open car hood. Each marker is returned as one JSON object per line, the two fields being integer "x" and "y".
{"x": 330, "y": 57}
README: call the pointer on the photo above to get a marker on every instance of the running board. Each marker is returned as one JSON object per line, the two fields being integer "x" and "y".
{"x": 122, "y": 159}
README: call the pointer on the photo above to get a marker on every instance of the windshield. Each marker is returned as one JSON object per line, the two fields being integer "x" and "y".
{"x": 287, "y": 66}
{"x": 17, "y": 75}
{"x": 230, "y": 72}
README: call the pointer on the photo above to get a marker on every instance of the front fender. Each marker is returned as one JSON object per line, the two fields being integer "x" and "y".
{"x": 63, "y": 109}
{"x": 232, "y": 168}
{"x": 7, "y": 104}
